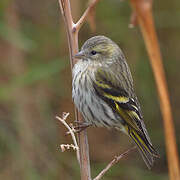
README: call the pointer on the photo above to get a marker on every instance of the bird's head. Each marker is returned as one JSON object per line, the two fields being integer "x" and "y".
{"x": 99, "y": 49}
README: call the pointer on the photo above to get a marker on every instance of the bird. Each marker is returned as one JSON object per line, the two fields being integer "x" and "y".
{"x": 103, "y": 92}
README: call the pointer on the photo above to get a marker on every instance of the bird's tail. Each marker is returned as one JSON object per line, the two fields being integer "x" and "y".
{"x": 145, "y": 147}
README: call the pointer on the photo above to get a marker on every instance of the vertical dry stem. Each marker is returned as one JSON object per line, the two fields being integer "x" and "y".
{"x": 143, "y": 10}
{"x": 72, "y": 35}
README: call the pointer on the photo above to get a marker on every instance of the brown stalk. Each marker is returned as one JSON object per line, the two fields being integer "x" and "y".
{"x": 143, "y": 10}
{"x": 86, "y": 14}
{"x": 72, "y": 35}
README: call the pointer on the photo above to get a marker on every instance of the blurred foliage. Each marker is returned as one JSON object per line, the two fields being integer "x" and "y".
{"x": 35, "y": 86}
{"x": 35, "y": 74}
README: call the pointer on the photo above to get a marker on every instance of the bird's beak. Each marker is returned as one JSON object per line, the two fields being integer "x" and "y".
{"x": 79, "y": 55}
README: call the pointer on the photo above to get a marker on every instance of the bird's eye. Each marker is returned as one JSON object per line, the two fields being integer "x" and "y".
{"x": 93, "y": 52}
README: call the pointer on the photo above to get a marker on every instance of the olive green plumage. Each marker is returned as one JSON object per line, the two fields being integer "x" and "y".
{"x": 103, "y": 92}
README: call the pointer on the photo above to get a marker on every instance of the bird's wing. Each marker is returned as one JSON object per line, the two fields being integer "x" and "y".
{"x": 111, "y": 87}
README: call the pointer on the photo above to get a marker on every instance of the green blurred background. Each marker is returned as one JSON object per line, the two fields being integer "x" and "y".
{"x": 35, "y": 86}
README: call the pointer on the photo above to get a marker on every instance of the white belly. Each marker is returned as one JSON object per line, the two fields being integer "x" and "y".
{"x": 94, "y": 110}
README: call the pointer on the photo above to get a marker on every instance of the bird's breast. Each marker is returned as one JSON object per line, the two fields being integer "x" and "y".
{"x": 92, "y": 107}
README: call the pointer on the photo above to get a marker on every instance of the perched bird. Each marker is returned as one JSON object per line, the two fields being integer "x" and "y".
{"x": 102, "y": 90}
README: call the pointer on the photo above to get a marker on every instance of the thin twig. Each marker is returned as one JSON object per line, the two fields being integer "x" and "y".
{"x": 113, "y": 162}
{"x": 83, "y": 18}
{"x": 70, "y": 130}
{"x": 143, "y": 9}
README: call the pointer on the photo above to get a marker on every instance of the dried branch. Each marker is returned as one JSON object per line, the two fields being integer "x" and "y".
{"x": 72, "y": 39}
{"x": 113, "y": 162}
{"x": 71, "y": 131}
{"x": 143, "y": 9}
{"x": 72, "y": 34}
{"x": 83, "y": 18}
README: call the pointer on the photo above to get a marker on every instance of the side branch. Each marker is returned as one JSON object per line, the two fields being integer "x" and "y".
{"x": 71, "y": 131}
{"x": 113, "y": 162}
{"x": 83, "y": 18}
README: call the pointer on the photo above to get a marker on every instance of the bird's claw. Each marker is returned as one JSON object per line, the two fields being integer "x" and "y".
{"x": 80, "y": 127}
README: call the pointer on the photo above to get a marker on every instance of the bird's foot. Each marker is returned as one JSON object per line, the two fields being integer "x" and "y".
{"x": 81, "y": 126}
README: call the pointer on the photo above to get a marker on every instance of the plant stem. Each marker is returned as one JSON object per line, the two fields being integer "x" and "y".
{"x": 143, "y": 9}
{"x": 72, "y": 35}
